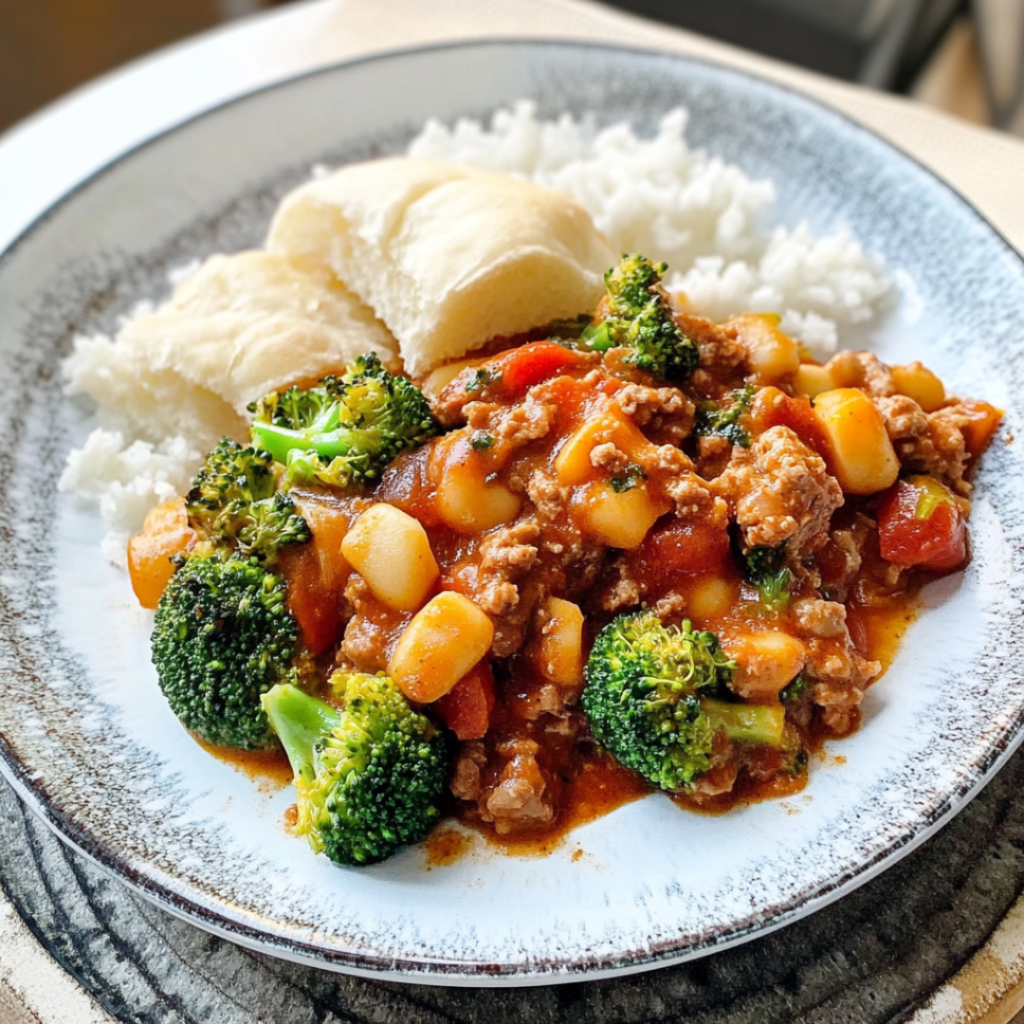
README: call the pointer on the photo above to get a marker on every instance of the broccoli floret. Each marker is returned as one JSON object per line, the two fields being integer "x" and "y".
{"x": 639, "y": 319}
{"x": 568, "y": 330}
{"x": 642, "y": 696}
{"x": 222, "y": 638}
{"x": 370, "y": 778}
{"x": 795, "y": 691}
{"x": 234, "y": 503}
{"x": 723, "y": 421}
{"x": 766, "y": 569}
{"x": 628, "y": 478}
{"x": 346, "y": 429}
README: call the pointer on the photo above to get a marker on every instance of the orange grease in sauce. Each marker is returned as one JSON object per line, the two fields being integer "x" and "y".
{"x": 445, "y": 846}
{"x": 267, "y": 767}
{"x": 600, "y": 785}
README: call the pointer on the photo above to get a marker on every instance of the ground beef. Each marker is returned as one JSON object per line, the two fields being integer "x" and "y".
{"x": 927, "y": 442}
{"x": 693, "y": 497}
{"x": 819, "y": 618}
{"x": 721, "y": 776}
{"x": 840, "y": 675}
{"x": 527, "y": 422}
{"x": 511, "y": 550}
{"x": 372, "y": 628}
{"x": 843, "y": 556}
{"x": 502, "y": 587}
{"x": 609, "y": 458}
{"x": 522, "y": 799}
{"x": 664, "y": 414}
{"x": 465, "y": 782}
{"x": 720, "y": 351}
{"x": 621, "y": 589}
{"x": 781, "y": 493}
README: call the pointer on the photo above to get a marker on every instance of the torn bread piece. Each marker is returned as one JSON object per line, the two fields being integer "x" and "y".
{"x": 448, "y": 256}
{"x": 238, "y": 327}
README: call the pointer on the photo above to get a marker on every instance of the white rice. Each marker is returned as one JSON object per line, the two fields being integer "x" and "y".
{"x": 125, "y": 478}
{"x": 658, "y": 196}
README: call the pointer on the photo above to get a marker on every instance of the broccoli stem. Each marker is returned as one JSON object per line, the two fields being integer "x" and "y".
{"x": 299, "y": 721}
{"x": 747, "y": 723}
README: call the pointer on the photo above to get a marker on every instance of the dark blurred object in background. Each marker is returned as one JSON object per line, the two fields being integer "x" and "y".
{"x": 882, "y": 43}
{"x": 886, "y": 44}
{"x": 48, "y": 47}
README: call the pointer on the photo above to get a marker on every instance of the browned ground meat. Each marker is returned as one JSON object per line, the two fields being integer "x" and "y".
{"x": 928, "y": 442}
{"x": 522, "y": 797}
{"x": 841, "y": 674}
{"x": 372, "y": 630}
{"x": 781, "y": 492}
{"x": 465, "y": 782}
{"x": 664, "y": 414}
{"x": 815, "y": 617}
{"x": 720, "y": 352}
{"x": 863, "y": 370}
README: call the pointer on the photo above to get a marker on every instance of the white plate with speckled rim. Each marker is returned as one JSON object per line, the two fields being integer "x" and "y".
{"x": 91, "y": 746}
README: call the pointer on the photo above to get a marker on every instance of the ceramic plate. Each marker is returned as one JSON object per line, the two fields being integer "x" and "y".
{"x": 89, "y": 743}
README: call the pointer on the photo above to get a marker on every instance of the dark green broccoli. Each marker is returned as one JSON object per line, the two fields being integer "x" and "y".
{"x": 370, "y": 778}
{"x": 650, "y": 699}
{"x": 766, "y": 569}
{"x": 795, "y": 691}
{"x": 346, "y": 429}
{"x": 234, "y": 503}
{"x": 639, "y": 319}
{"x": 723, "y": 421}
{"x": 222, "y": 638}
{"x": 641, "y": 697}
{"x": 628, "y": 478}
{"x": 568, "y": 330}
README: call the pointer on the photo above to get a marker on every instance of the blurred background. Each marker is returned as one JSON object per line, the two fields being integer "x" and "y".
{"x": 963, "y": 56}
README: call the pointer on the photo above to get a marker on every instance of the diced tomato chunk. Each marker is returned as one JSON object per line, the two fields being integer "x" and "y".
{"x": 316, "y": 573}
{"x": 678, "y": 547}
{"x": 522, "y": 367}
{"x": 920, "y": 523}
{"x": 466, "y": 708}
{"x": 784, "y": 410}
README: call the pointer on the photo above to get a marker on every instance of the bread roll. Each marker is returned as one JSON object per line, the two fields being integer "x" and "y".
{"x": 448, "y": 256}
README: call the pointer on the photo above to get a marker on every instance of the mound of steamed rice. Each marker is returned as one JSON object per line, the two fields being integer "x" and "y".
{"x": 658, "y": 196}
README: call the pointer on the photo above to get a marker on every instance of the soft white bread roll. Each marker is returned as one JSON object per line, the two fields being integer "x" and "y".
{"x": 448, "y": 256}
{"x": 238, "y": 327}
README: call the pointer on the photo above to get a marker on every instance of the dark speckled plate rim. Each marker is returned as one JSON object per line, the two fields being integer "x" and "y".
{"x": 427, "y": 970}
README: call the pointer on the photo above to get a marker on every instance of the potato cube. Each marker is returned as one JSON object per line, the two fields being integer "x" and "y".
{"x": 771, "y": 355}
{"x": 439, "y": 378}
{"x": 444, "y": 640}
{"x": 619, "y": 519}
{"x": 468, "y": 499}
{"x": 919, "y": 383}
{"x": 558, "y": 653}
{"x": 390, "y": 550}
{"x": 863, "y": 459}
{"x": 811, "y": 379}
{"x": 573, "y": 465}
{"x": 766, "y": 662}
{"x": 711, "y": 597}
{"x": 469, "y": 504}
